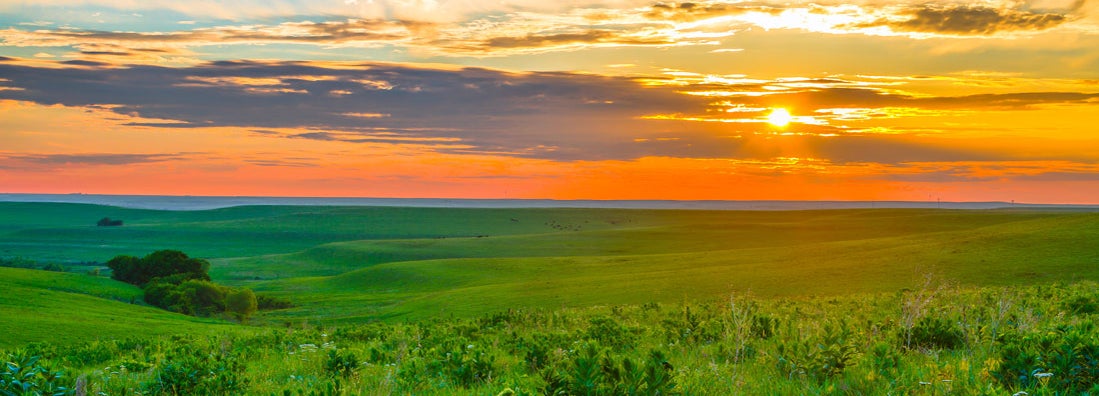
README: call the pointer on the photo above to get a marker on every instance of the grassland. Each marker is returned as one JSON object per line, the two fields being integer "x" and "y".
{"x": 431, "y": 275}
{"x": 359, "y": 264}
{"x": 67, "y": 308}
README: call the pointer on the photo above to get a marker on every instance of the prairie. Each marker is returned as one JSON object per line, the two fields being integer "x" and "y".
{"x": 823, "y": 299}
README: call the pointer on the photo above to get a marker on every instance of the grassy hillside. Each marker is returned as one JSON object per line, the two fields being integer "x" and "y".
{"x": 816, "y": 260}
{"x": 67, "y": 232}
{"x": 351, "y": 264}
{"x": 474, "y": 301}
{"x": 602, "y": 233}
{"x": 42, "y": 306}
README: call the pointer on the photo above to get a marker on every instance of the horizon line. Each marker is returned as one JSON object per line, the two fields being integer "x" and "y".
{"x": 208, "y": 202}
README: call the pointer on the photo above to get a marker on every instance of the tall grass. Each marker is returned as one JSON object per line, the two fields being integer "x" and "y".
{"x": 995, "y": 340}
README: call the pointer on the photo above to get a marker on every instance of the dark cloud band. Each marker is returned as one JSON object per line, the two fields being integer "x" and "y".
{"x": 549, "y": 115}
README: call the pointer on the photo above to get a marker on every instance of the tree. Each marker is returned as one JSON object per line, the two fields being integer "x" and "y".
{"x": 201, "y": 298}
{"x": 126, "y": 269}
{"x": 107, "y": 222}
{"x": 164, "y": 295}
{"x": 241, "y": 303}
{"x": 162, "y": 264}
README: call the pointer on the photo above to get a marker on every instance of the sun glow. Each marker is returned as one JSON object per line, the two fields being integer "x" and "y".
{"x": 779, "y": 117}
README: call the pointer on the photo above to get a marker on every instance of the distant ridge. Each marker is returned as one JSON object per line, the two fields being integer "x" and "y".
{"x": 173, "y": 202}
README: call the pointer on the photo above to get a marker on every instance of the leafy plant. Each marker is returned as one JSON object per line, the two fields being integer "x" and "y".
{"x": 936, "y": 332}
{"x": 23, "y": 374}
{"x": 819, "y": 359}
{"x": 342, "y": 364}
{"x": 194, "y": 371}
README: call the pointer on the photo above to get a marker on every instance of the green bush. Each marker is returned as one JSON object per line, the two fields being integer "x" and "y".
{"x": 265, "y": 302}
{"x": 241, "y": 303}
{"x": 1082, "y": 304}
{"x": 1066, "y": 358}
{"x": 189, "y": 370}
{"x": 464, "y": 365}
{"x": 818, "y": 359}
{"x": 193, "y": 297}
{"x": 608, "y": 331}
{"x": 934, "y": 332}
{"x": 158, "y": 264}
{"x": 341, "y": 364}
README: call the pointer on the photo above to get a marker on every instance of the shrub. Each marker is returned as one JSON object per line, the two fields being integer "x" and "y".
{"x": 1082, "y": 304}
{"x": 341, "y": 364}
{"x": 202, "y": 298}
{"x": 193, "y": 297}
{"x": 18, "y": 262}
{"x": 596, "y": 371}
{"x": 465, "y": 366}
{"x": 158, "y": 264}
{"x": 266, "y": 302}
{"x": 163, "y": 295}
{"x": 763, "y": 326}
{"x": 608, "y": 331}
{"x": 818, "y": 359}
{"x": 934, "y": 332}
{"x": 1067, "y": 357}
{"x": 54, "y": 267}
{"x": 190, "y": 371}
{"x": 241, "y": 303}
{"x": 586, "y": 374}
{"x": 108, "y": 222}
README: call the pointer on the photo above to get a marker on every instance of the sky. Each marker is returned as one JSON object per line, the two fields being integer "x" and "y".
{"x": 989, "y": 100}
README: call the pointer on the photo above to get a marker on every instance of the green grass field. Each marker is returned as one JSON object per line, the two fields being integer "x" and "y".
{"x": 41, "y": 306}
{"x": 505, "y": 281}
{"x": 359, "y": 264}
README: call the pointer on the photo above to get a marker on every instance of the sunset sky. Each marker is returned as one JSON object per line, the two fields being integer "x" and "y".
{"x": 617, "y": 99}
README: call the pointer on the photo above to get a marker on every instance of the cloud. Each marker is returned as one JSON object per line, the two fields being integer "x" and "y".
{"x": 461, "y": 109}
{"x": 273, "y": 9}
{"x": 281, "y": 163}
{"x": 58, "y": 160}
{"x": 547, "y": 115}
{"x": 587, "y": 37}
{"x": 958, "y": 19}
{"x": 351, "y": 32}
{"x": 694, "y": 11}
{"x": 977, "y": 171}
{"x": 488, "y": 30}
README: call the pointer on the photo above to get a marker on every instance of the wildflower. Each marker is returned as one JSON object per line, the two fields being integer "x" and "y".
{"x": 470, "y": 346}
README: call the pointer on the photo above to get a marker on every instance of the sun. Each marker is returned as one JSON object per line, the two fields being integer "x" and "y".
{"x": 779, "y": 117}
